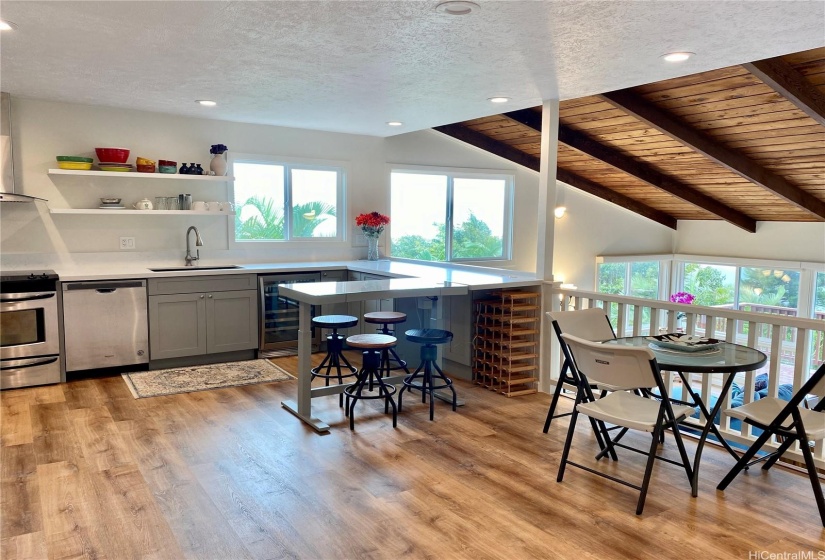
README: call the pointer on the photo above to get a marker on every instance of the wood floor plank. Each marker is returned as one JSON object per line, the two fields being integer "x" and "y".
{"x": 230, "y": 474}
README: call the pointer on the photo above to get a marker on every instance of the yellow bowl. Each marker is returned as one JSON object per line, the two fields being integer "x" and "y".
{"x": 77, "y": 165}
{"x": 144, "y": 161}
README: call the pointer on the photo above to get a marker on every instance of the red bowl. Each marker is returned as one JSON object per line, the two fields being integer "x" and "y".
{"x": 145, "y": 168}
{"x": 112, "y": 155}
{"x": 167, "y": 163}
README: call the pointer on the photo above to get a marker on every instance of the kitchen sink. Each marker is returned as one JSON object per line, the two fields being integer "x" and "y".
{"x": 194, "y": 268}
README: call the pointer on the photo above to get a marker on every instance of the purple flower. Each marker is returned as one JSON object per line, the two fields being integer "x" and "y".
{"x": 682, "y": 297}
{"x": 217, "y": 149}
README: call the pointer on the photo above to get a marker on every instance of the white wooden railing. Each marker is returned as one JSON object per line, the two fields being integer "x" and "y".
{"x": 795, "y": 346}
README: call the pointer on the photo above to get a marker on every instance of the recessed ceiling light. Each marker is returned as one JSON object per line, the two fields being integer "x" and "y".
{"x": 395, "y": 123}
{"x": 206, "y": 102}
{"x": 457, "y": 7}
{"x": 7, "y": 25}
{"x": 677, "y": 56}
{"x": 498, "y": 99}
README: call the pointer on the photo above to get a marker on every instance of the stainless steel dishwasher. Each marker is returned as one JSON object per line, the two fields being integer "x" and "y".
{"x": 105, "y": 324}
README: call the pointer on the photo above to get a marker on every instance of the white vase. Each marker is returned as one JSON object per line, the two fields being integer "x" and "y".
{"x": 218, "y": 164}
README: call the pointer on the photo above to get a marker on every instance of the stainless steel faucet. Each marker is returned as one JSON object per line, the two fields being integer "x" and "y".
{"x": 198, "y": 243}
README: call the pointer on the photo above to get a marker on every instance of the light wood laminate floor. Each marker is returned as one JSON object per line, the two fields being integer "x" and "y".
{"x": 90, "y": 472}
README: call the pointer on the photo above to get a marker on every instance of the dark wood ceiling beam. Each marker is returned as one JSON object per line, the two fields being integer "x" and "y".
{"x": 515, "y": 155}
{"x": 790, "y": 84}
{"x": 743, "y": 166}
{"x": 638, "y": 169}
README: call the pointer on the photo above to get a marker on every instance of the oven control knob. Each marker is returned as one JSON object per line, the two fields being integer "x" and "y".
{"x": 32, "y": 276}
{"x": 140, "y": 352}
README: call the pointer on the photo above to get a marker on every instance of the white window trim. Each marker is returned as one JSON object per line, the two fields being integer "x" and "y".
{"x": 342, "y": 216}
{"x": 509, "y": 178}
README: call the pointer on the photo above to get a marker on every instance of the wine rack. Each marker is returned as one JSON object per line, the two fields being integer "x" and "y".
{"x": 505, "y": 345}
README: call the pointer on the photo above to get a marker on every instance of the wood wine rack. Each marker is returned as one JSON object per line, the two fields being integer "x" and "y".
{"x": 505, "y": 345}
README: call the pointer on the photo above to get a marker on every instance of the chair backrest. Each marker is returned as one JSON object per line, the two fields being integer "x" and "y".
{"x": 815, "y": 385}
{"x": 624, "y": 367}
{"x": 590, "y": 324}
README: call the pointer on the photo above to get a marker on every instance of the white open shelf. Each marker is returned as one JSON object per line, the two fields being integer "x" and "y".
{"x": 141, "y": 212}
{"x": 135, "y": 174}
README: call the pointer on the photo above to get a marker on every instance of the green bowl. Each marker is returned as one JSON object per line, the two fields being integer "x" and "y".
{"x": 168, "y": 169}
{"x": 75, "y": 158}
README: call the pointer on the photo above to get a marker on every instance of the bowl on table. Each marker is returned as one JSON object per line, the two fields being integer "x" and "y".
{"x": 112, "y": 155}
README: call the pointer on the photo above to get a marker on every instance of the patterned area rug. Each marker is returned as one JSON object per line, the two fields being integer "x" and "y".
{"x": 159, "y": 382}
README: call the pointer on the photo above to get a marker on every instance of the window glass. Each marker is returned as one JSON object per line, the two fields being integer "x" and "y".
{"x": 768, "y": 290}
{"x": 314, "y": 196}
{"x": 259, "y": 201}
{"x": 819, "y": 296}
{"x": 644, "y": 279}
{"x": 283, "y": 201}
{"x": 712, "y": 285}
{"x": 478, "y": 218}
{"x": 418, "y": 213}
{"x": 612, "y": 278}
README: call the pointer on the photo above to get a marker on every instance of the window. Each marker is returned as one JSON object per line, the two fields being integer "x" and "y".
{"x": 819, "y": 296}
{"x": 450, "y": 216}
{"x": 637, "y": 279}
{"x": 278, "y": 201}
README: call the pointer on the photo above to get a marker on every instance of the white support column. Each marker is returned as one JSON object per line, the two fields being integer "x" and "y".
{"x": 546, "y": 225}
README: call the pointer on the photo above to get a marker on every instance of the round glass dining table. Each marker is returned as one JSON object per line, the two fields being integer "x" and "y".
{"x": 726, "y": 358}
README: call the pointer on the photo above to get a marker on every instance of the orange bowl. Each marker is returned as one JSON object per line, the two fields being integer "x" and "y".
{"x": 145, "y": 168}
{"x": 112, "y": 155}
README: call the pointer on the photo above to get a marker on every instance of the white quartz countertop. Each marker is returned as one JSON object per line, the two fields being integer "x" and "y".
{"x": 476, "y": 278}
{"x": 318, "y": 293}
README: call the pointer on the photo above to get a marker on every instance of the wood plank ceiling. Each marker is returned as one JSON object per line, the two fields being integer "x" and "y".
{"x": 741, "y": 144}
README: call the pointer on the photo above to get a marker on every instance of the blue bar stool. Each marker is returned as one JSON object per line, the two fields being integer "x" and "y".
{"x": 390, "y": 360}
{"x": 370, "y": 374}
{"x": 422, "y": 378}
{"x": 335, "y": 347}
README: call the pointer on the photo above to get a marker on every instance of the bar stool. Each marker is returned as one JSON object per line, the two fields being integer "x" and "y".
{"x": 335, "y": 347}
{"x": 388, "y": 355}
{"x": 422, "y": 378}
{"x": 370, "y": 374}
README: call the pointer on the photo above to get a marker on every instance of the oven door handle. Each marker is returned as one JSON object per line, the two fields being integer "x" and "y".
{"x": 27, "y": 297}
{"x": 28, "y": 363}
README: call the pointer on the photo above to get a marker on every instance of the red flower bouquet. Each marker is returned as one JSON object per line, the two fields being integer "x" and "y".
{"x": 372, "y": 224}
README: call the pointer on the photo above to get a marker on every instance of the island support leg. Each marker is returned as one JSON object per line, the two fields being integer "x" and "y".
{"x": 303, "y": 408}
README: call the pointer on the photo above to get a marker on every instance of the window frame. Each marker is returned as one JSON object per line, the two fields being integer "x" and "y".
{"x": 288, "y": 164}
{"x": 671, "y": 273}
{"x": 451, "y": 173}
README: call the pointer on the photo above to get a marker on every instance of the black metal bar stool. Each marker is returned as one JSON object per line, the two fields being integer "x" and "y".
{"x": 422, "y": 378}
{"x": 390, "y": 360}
{"x": 370, "y": 374}
{"x": 335, "y": 347}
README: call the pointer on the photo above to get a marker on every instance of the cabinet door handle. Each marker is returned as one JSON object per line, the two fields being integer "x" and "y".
{"x": 201, "y": 296}
{"x": 209, "y": 296}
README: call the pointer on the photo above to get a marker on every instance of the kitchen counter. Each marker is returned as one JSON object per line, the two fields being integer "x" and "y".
{"x": 476, "y": 278}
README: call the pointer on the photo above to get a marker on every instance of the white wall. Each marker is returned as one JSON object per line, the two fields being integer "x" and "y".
{"x": 43, "y": 130}
{"x": 592, "y": 227}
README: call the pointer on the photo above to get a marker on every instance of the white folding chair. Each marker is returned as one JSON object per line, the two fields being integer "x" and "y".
{"x": 770, "y": 414}
{"x": 625, "y": 369}
{"x": 590, "y": 324}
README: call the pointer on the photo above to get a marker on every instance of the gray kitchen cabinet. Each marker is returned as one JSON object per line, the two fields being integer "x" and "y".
{"x": 359, "y": 308}
{"x": 204, "y": 315}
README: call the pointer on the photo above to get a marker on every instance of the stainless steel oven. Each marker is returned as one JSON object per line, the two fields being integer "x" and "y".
{"x": 29, "y": 340}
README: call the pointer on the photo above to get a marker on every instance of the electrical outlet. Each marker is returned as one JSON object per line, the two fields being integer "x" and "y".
{"x": 127, "y": 243}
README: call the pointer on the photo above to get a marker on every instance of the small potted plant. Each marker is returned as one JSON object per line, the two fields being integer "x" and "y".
{"x": 218, "y": 163}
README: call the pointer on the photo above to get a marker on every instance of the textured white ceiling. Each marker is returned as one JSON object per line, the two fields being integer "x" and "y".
{"x": 351, "y": 66}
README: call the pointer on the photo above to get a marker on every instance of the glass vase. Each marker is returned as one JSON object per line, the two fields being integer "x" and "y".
{"x": 372, "y": 247}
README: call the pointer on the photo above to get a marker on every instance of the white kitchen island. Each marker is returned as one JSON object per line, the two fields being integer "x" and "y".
{"x": 320, "y": 293}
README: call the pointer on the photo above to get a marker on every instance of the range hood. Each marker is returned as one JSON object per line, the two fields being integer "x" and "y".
{"x": 7, "y": 193}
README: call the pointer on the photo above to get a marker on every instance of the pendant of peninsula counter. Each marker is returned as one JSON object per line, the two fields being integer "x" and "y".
{"x": 505, "y": 353}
